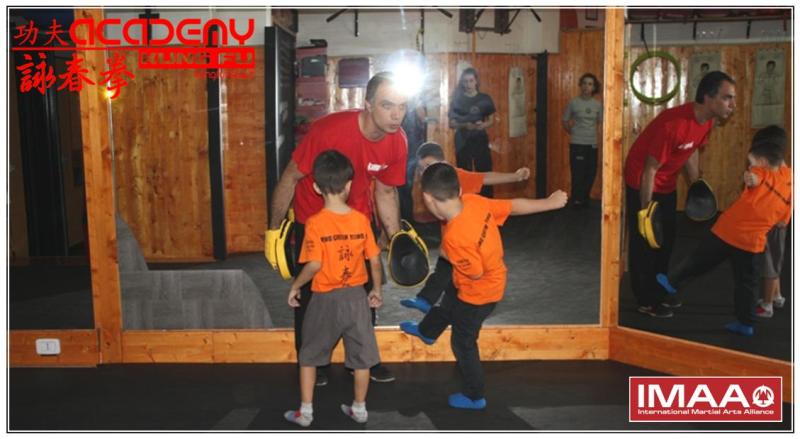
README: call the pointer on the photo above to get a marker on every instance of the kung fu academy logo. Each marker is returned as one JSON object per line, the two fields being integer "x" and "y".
{"x": 212, "y": 48}
{"x": 705, "y": 399}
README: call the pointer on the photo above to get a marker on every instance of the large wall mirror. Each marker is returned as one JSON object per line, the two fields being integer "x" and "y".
{"x": 49, "y": 276}
{"x": 191, "y": 155}
{"x": 665, "y": 58}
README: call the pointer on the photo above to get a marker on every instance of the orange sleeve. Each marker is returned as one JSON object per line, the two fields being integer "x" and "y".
{"x": 466, "y": 260}
{"x": 312, "y": 246}
{"x": 471, "y": 182}
{"x": 371, "y": 249}
{"x": 500, "y": 209}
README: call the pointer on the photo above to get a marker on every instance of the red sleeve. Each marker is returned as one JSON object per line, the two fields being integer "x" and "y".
{"x": 500, "y": 210}
{"x": 308, "y": 150}
{"x": 659, "y": 142}
{"x": 312, "y": 246}
{"x": 395, "y": 172}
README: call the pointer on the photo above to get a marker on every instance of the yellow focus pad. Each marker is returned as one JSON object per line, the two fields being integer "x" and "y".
{"x": 270, "y": 243}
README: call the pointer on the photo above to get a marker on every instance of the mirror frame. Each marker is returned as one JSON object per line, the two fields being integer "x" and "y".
{"x": 108, "y": 343}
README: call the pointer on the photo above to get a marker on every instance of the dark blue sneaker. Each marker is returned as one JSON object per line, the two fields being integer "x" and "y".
{"x": 411, "y": 327}
{"x": 460, "y": 401}
{"x": 417, "y": 303}
{"x": 740, "y": 328}
{"x": 662, "y": 280}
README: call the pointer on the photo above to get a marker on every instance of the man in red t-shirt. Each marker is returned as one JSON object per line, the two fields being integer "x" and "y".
{"x": 376, "y": 146}
{"x": 668, "y": 144}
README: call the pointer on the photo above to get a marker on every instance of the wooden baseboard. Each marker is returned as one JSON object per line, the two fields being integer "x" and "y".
{"x": 78, "y": 348}
{"x": 681, "y": 357}
{"x": 497, "y": 343}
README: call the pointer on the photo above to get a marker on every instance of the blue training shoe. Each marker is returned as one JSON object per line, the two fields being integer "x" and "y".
{"x": 417, "y": 303}
{"x": 411, "y": 327}
{"x": 461, "y": 401}
{"x": 740, "y": 328}
{"x": 662, "y": 280}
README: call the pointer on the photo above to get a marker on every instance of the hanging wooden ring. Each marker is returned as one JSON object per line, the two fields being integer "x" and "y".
{"x": 656, "y": 100}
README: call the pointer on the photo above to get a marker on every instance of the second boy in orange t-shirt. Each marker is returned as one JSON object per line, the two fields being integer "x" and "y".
{"x": 740, "y": 232}
{"x": 471, "y": 241}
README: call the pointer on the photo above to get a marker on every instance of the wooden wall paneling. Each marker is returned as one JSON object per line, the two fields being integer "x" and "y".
{"x": 579, "y": 52}
{"x": 244, "y": 160}
{"x": 722, "y": 162}
{"x": 160, "y": 125}
{"x": 507, "y": 154}
{"x": 611, "y": 168}
{"x": 97, "y": 156}
{"x": 78, "y": 348}
{"x": 168, "y": 347}
{"x": 497, "y": 343}
{"x": 681, "y": 357}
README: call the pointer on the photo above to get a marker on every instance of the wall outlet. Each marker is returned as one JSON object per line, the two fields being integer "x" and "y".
{"x": 48, "y": 346}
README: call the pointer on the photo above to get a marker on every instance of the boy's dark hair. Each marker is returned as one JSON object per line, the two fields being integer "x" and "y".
{"x": 709, "y": 85}
{"x": 768, "y": 149}
{"x": 430, "y": 149}
{"x": 332, "y": 171}
{"x": 375, "y": 82}
{"x": 596, "y": 87}
{"x": 441, "y": 182}
{"x": 772, "y": 133}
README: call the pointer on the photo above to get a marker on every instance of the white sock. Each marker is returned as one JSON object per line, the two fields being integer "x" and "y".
{"x": 307, "y": 409}
{"x": 766, "y": 306}
{"x": 359, "y": 407}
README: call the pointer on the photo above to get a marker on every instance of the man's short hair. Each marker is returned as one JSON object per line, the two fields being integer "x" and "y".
{"x": 441, "y": 182}
{"x": 375, "y": 82}
{"x": 430, "y": 149}
{"x": 332, "y": 171}
{"x": 709, "y": 85}
{"x": 768, "y": 149}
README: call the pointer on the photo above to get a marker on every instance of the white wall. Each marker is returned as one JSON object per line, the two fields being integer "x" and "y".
{"x": 388, "y": 30}
{"x": 733, "y": 32}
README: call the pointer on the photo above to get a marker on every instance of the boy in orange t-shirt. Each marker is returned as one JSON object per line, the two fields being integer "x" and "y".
{"x": 471, "y": 241}
{"x": 337, "y": 241}
{"x": 471, "y": 183}
{"x": 741, "y": 232}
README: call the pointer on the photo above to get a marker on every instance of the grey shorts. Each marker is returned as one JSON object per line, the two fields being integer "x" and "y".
{"x": 769, "y": 263}
{"x": 342, "y": 313}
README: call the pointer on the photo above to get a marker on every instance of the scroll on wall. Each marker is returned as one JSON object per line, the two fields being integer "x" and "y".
{"x": 699, "y": 64}
{"x": 518, "y": 119}
{"x": 768, "y": 90}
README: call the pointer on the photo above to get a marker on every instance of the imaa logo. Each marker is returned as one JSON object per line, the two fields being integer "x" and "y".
{"x": 745, "y": 399}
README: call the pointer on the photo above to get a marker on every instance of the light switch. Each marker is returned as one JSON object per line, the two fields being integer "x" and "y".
{"x": 48, "y": 346}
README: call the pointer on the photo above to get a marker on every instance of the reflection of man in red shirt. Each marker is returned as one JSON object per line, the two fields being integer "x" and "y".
{"x": 376, "y": 146}
{"x": 668, "y": 144}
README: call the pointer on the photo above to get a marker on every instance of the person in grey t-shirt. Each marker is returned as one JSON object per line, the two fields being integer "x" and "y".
{"x": 581, "y": 120}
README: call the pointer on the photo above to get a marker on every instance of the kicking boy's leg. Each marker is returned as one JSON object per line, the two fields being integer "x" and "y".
{"x": 709, "y": 253}
{"x": 745, "y": 288}
{"x": 437, "y": 281}
{"x": 467, "y": 322}
{"x": 439, "y": 317}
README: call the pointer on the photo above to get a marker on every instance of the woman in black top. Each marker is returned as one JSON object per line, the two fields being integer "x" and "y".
{"x": 469, "y": 115}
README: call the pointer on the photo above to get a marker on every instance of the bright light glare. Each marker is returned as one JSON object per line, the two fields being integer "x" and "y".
{"x": 409, "y": 78}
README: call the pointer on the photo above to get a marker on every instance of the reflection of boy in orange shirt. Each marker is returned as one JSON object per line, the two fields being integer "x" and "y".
{"x": 471, "y": 241}
{"x": 471, "y": 183}
{"x": 337, "y": 241}
{"x": 740, "y": 232}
